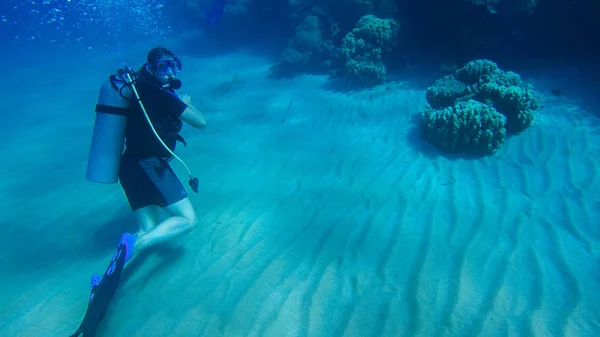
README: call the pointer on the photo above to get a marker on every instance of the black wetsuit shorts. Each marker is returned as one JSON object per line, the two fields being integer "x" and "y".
{"x": 149, "y": 181}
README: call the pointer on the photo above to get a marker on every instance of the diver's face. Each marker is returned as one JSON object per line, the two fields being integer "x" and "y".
{"x": 166, "y": 69}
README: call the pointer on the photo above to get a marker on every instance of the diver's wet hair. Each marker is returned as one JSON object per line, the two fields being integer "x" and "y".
{"x": 157, "y": 53}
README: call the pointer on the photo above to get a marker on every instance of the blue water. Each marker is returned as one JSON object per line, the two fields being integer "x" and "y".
{"x": 322, "y": 210}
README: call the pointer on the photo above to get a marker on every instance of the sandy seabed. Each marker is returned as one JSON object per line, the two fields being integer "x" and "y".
{"x": 322, "y": 213}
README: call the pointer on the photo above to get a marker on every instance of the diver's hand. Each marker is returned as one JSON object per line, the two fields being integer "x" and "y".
{"x": 186, "y": 99}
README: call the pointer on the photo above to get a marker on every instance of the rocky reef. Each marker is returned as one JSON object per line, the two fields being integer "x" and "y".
{"x": 324, "y": 36}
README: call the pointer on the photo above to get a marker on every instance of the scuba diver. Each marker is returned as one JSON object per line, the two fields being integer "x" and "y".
{"x": 145, "y": 174}
{"x": 140, "y": 111}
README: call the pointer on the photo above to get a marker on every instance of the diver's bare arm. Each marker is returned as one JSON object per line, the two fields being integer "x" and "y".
{"x": 191, "y": 115}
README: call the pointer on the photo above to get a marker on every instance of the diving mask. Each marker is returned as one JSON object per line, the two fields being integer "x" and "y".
{"x": 162, "y": 67}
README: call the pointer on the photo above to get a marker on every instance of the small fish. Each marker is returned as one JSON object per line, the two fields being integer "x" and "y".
{"x": 556, "y": 92}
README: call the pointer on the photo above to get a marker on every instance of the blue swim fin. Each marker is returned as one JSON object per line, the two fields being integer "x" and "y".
{"x": 104, "y": 287}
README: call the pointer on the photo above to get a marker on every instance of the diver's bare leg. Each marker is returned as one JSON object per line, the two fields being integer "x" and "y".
{"x": 147, "y": 218}
{"x": 182, "y": 221}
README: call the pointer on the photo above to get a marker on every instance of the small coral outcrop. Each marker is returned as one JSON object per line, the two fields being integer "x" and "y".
{"x": 470, "y": 125}
{"x": 473, "y": 109}
{"x": 364, "y": 48}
